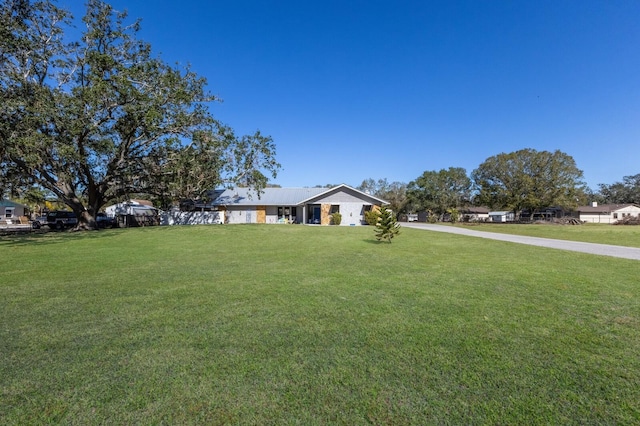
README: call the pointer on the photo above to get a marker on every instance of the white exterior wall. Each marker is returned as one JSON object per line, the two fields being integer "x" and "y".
{"x": 629, "y": 210}
{"x": 272, "y": 214}
{"x": 596, "y": 218}
{"x": 351, "y": 214}
{"x": 609, "y": 218}
{"x": 241, "y": 215}
{"x": 476, "y": 216}
{"x": 351, "y": 207}
{"x": 191, "y": 218}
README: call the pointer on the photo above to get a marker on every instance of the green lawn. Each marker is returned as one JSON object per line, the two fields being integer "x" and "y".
{"x": 313, "y": 325}
{"x": 620, "y": 235}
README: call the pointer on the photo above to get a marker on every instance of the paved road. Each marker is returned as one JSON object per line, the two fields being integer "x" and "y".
{"x": 591, "y": 248}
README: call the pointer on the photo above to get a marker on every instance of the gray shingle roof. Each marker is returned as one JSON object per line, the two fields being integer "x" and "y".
{"x": 8, "y": 203}
{"x": 281, "y": 196}
{"x": 268, "y": 196}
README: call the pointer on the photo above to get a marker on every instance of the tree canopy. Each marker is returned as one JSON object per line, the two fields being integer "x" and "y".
{"x": 99, "y": 118}
{"x": 529, "y": 179}
{"x": 439, "y": 191}
{"x": 395, "y": 192}
{"x": 627, "y": 191}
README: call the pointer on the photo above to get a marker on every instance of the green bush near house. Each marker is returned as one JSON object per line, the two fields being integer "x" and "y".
{"x": 235, "y": 324}
{"x": 371, "y": 217}
{"x": 336, "y": 218}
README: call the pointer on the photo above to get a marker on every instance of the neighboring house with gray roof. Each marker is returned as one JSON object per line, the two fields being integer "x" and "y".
{"x": 11, "y": 210}
{"x": 295, "y": 205}
{"x": 606, "y": 213}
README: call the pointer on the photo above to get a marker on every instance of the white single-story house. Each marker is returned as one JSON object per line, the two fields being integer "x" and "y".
{"x": 606, "y": 213}
{"x": 502, "y": 216}
{"x": 474, "y": 214}
{"x": 295, "y": 205}
{"x": 10, "y": 210}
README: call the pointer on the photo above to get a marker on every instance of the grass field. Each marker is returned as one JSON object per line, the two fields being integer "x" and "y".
{"x": 620, "y": 235}
{"x": 313, "y": 325}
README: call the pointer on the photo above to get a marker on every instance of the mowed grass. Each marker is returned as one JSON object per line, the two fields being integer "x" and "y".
{"x": 313, "y": 325}
{"x": 619, "y": 235}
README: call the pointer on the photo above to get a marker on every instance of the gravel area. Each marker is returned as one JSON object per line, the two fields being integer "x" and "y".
{"x": 591, "y": 248}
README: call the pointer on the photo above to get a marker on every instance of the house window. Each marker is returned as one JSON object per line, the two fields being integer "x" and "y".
{"x": 615, "y": 215}
{"x": 334, "y": 209}
{"x": 8, "y": 212}
{"x": 287, "y": 213}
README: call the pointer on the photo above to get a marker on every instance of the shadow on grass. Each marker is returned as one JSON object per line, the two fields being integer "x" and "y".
{"x": 376, "y": 242}
{"x": 54, "y": 237}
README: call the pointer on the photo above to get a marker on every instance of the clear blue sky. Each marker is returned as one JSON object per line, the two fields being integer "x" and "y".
{"x": 351, "y": 90}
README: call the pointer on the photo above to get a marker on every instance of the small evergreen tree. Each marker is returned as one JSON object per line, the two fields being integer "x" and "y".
{"x": 387, "y": 226}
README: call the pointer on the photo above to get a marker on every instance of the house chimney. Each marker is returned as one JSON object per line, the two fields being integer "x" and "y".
{"x": 594, "y": 204}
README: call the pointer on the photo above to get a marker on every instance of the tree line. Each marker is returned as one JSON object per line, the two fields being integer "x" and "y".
{"x": 523, "y": 180}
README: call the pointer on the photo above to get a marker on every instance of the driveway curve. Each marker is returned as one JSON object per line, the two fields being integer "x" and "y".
{"x": 591, "y": 248}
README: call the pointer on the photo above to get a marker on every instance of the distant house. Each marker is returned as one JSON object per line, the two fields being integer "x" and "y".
{"x": 474, "y": 214}
{"x": 606, "y": 213}
{"x": 501, "y": 216}
{"x": 294, "y": 205}
{"x": 10, "y": 210}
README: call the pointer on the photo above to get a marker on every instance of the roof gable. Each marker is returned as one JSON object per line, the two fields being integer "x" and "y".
{"x": 347, "y": 190}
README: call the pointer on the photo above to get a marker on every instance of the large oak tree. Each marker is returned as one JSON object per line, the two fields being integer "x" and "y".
{"x": 529, "y": 179}
{"x": 439, "y": 191}
{"x": 99, "y": 118}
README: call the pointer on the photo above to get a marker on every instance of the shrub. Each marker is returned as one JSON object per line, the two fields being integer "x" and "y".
{"x": 454, "y": 215}
{"x": 336, "y": 218}
{"x": 371, "y": 217}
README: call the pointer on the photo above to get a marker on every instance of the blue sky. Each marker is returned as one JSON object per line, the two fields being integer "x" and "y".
{"x": 351, "y": 90}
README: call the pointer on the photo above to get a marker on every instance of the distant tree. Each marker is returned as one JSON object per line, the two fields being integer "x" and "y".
{"x": 438, "y": 191}
{"x": 100, "y": 118}
{"x": 529, "y": 179}
{"x": 627, "y": 191}
{"x": 371, "y": 186}
{"x": 387, "y": 226}
{"x": 395, "y": 193}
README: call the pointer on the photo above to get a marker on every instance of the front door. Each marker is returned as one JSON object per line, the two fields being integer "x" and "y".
{"x": 316, "y": 214}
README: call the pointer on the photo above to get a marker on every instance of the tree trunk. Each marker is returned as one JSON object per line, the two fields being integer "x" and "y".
{"x": 86, "y": 221}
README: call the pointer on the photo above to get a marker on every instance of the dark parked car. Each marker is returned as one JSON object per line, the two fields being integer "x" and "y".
{"x": 105, "y": 221}
{"x": 61, "y": 219}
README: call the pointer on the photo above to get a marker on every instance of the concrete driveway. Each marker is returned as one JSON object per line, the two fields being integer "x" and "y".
{"x": 591, "y": 248}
